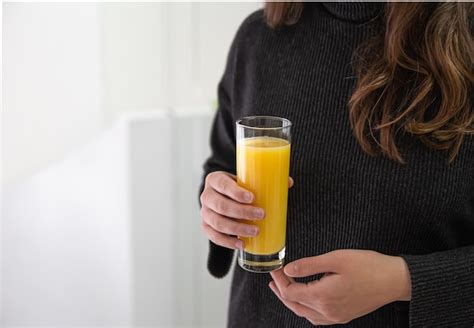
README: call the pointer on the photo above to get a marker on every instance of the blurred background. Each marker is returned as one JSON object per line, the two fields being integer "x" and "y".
{"x": 105, "y": 125}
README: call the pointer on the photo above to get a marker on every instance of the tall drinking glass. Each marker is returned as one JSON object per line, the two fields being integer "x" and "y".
{"x": 263, "y": 165}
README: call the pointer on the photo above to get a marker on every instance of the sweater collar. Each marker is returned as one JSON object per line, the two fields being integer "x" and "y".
{"x": 354, "y": 11}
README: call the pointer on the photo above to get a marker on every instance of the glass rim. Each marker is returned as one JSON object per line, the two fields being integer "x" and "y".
{"x": 275, "y": 118}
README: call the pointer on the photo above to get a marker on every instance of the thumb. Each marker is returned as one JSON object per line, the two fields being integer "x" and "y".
{"x": 309, "y": 266}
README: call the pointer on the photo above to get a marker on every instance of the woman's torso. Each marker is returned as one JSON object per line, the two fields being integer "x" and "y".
{"x": 342, "y": 198}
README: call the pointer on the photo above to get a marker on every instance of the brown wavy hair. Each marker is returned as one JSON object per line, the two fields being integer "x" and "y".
{"x": 417, "y": 76}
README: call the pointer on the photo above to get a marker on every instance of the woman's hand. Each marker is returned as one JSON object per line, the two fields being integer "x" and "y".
{"x": 222, "y": 202}
{"x": 356, "y": 282}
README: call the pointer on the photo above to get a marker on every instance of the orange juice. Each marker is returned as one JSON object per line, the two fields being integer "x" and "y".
{"x": 263, "y": 165}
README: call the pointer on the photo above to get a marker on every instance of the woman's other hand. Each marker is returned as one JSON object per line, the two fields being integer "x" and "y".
{"x": 355, "y": 282}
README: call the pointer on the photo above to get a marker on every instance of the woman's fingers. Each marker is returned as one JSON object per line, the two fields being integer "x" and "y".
{"x": 226, "y": 225}
{"x": 223, "y": 200}
{"x": 222, "y": 239}
{"x": 225, "y": 184}
{"x": 289, "y": 289}
{"x": 300, "y": 310}
{"x": 228, "y": 207}
{"x": 329, "y": 262}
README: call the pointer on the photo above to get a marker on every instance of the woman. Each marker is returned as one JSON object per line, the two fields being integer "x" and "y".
{"x": 381, "y": 101}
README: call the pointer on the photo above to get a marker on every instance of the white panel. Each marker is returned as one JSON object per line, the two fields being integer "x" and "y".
{"x": 187, "y": 219}
{"x": 65, "y": 241}
{"x": 212, "y": 295}
{"x": 153, "y": 220}
{"x": 202, "y": 299}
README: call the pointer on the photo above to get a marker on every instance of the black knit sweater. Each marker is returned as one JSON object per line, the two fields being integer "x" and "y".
{"x": 342, "y": 197}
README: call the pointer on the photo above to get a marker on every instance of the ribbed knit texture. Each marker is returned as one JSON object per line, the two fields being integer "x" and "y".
{"x": 343, "y": 198}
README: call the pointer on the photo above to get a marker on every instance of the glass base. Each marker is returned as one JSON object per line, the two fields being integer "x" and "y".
{"x": 261, "y": 263}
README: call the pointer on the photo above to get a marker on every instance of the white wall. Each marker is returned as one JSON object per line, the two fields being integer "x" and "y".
{"x": 166, "y": 55}
{"x": 70, "y": 69}
{"x": 134, "y": 50}
{"x": 51, "y": 83}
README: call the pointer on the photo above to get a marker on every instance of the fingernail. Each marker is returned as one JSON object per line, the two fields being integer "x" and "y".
{"x": 259, "y": 213}
{"x": 290, "y": 269}
{"x": 239, "y": 244}
{"x": 252, "y": 231}
{"x": 248, "y": 197}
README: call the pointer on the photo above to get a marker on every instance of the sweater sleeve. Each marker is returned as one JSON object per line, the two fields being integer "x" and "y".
{"x": 222, "y": 158}
{"x": 443, "y": 282}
